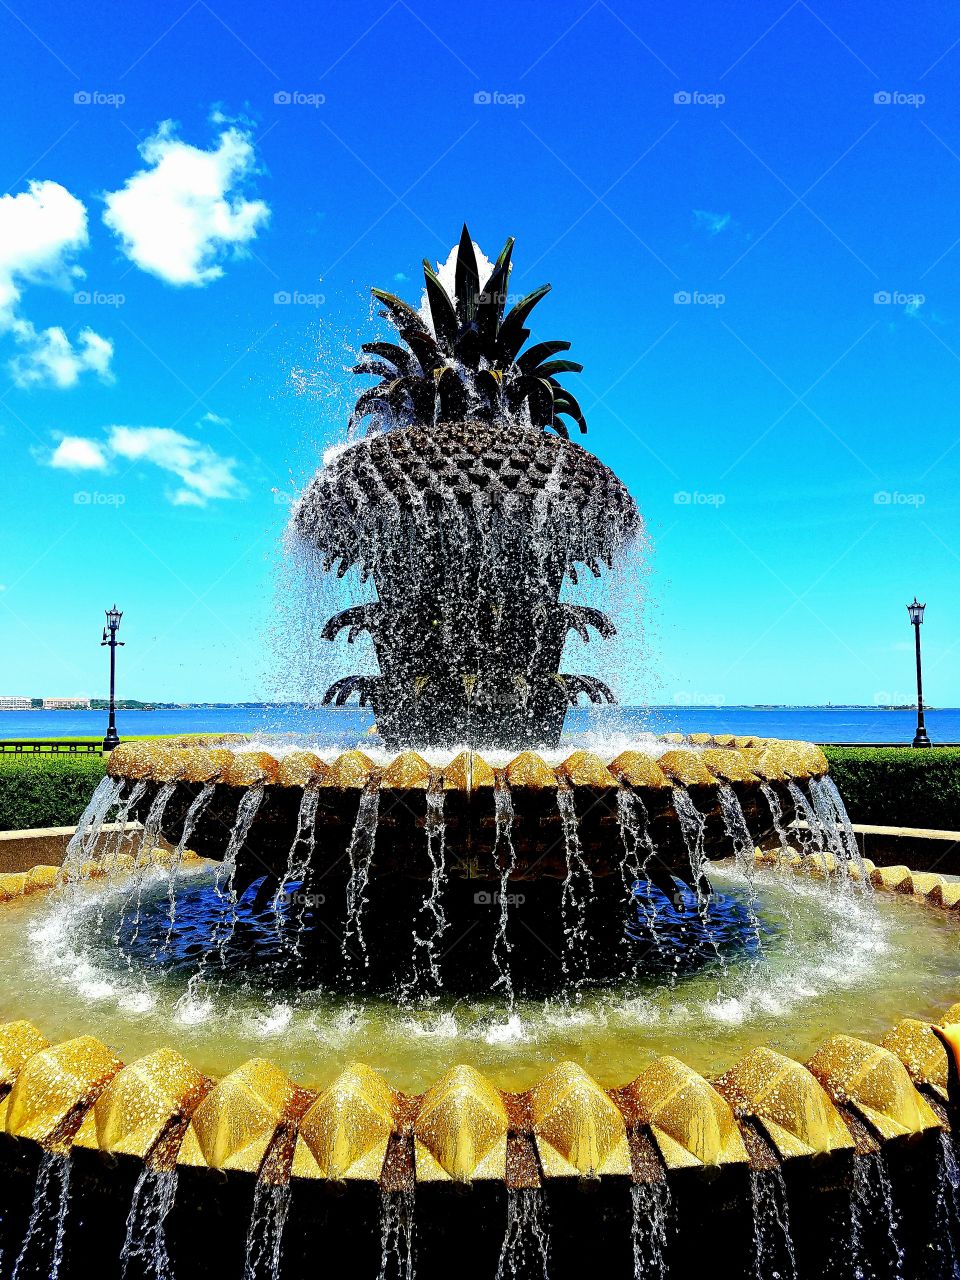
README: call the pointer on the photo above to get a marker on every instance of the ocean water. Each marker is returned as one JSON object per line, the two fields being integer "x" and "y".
{"x": 331, "y": 726}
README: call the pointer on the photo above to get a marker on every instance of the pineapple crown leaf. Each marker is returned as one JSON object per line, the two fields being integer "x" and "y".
{"x": 467, "y": 360}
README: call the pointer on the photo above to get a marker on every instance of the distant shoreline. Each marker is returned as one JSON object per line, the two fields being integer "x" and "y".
{"x": 652, "y": 706}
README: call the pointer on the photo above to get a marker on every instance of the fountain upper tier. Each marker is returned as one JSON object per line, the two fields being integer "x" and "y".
{"x": 467, "y": 784}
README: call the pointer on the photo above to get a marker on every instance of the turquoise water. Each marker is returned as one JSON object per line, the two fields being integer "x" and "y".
{"x": 812, "y": 724}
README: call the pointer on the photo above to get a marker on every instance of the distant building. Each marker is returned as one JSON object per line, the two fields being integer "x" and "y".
{"x": 66, "y": 704}
{"x": 15, "y": 704}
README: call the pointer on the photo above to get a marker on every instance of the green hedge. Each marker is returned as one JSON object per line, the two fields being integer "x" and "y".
{"x": 899, "y": 786}
{"x": 46, "y": 791}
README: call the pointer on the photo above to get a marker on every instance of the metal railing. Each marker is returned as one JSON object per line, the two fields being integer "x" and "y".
{"x": 47, "y": 746}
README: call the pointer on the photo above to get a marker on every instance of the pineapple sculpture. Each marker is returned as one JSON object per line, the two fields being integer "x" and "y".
{"x": 468, "y": 507}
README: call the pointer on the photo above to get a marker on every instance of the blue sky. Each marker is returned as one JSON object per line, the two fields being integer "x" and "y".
{"x": 791, "y": 432}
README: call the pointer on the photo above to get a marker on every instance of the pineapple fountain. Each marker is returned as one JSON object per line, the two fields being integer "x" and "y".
{"x": 467, "y": 888}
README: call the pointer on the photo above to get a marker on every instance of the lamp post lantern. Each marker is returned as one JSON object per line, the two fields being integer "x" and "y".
{"x": 915, "y": 611}
{"x": 110, "y": 638}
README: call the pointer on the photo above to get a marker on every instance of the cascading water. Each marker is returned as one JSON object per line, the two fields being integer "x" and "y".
{"x": 525, "y": 1252}
{"x": 577, "y": 891}
{"x": 144, "y": 1255}
{"x": 774, "y": 1257}
{"x": 397, "y": 1257}
{"x": 651, "y": 1204}
{"x": 268, "y": 1217}
{"x": 41, "y": 1253}
{"x": 874, "y": 1220}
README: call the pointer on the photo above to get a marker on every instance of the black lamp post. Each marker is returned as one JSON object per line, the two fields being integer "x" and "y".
{"x": 110, "y": 638}
{"x": 915, "y": 611}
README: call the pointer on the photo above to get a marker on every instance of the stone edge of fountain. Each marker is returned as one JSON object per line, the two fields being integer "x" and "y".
{"x": 697, "y": 760}
{"x": 851, "y": 1096}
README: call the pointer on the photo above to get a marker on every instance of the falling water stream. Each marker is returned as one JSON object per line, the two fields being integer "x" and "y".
{"x": 397, "y": 1260}
{"x": 874, "y": 1220}
{"x": 773, "y": 1252}
{"x": 652, "y": 1209}
{"x": 145, "y": 1243}
{"x": 271, "y": 1204}
{"x": 577, "y": 892}
{"x": 41, "y": 1253}
{"x": 525, "y": 1252}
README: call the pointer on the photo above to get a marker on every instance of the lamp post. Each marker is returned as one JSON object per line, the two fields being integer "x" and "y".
{"x": 915, "y": 611}
{"x": 110, "y": 638}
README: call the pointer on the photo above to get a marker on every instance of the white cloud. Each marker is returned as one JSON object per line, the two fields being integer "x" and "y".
{"x": 77, "y": 453}
{"x": 183, "y": 214}
{"x": 714, "y": 222}
{"x": 203, "y": 474}
{"x": 51, "y": 359}
{"x": 41, "y": 231}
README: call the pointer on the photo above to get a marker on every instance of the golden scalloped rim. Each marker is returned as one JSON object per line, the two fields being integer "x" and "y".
{"x": 702, "y": 761}
{"x": 162, "y": 1110}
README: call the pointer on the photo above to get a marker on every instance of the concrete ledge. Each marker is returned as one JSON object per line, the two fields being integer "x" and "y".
{"x": 47, "y": 846}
